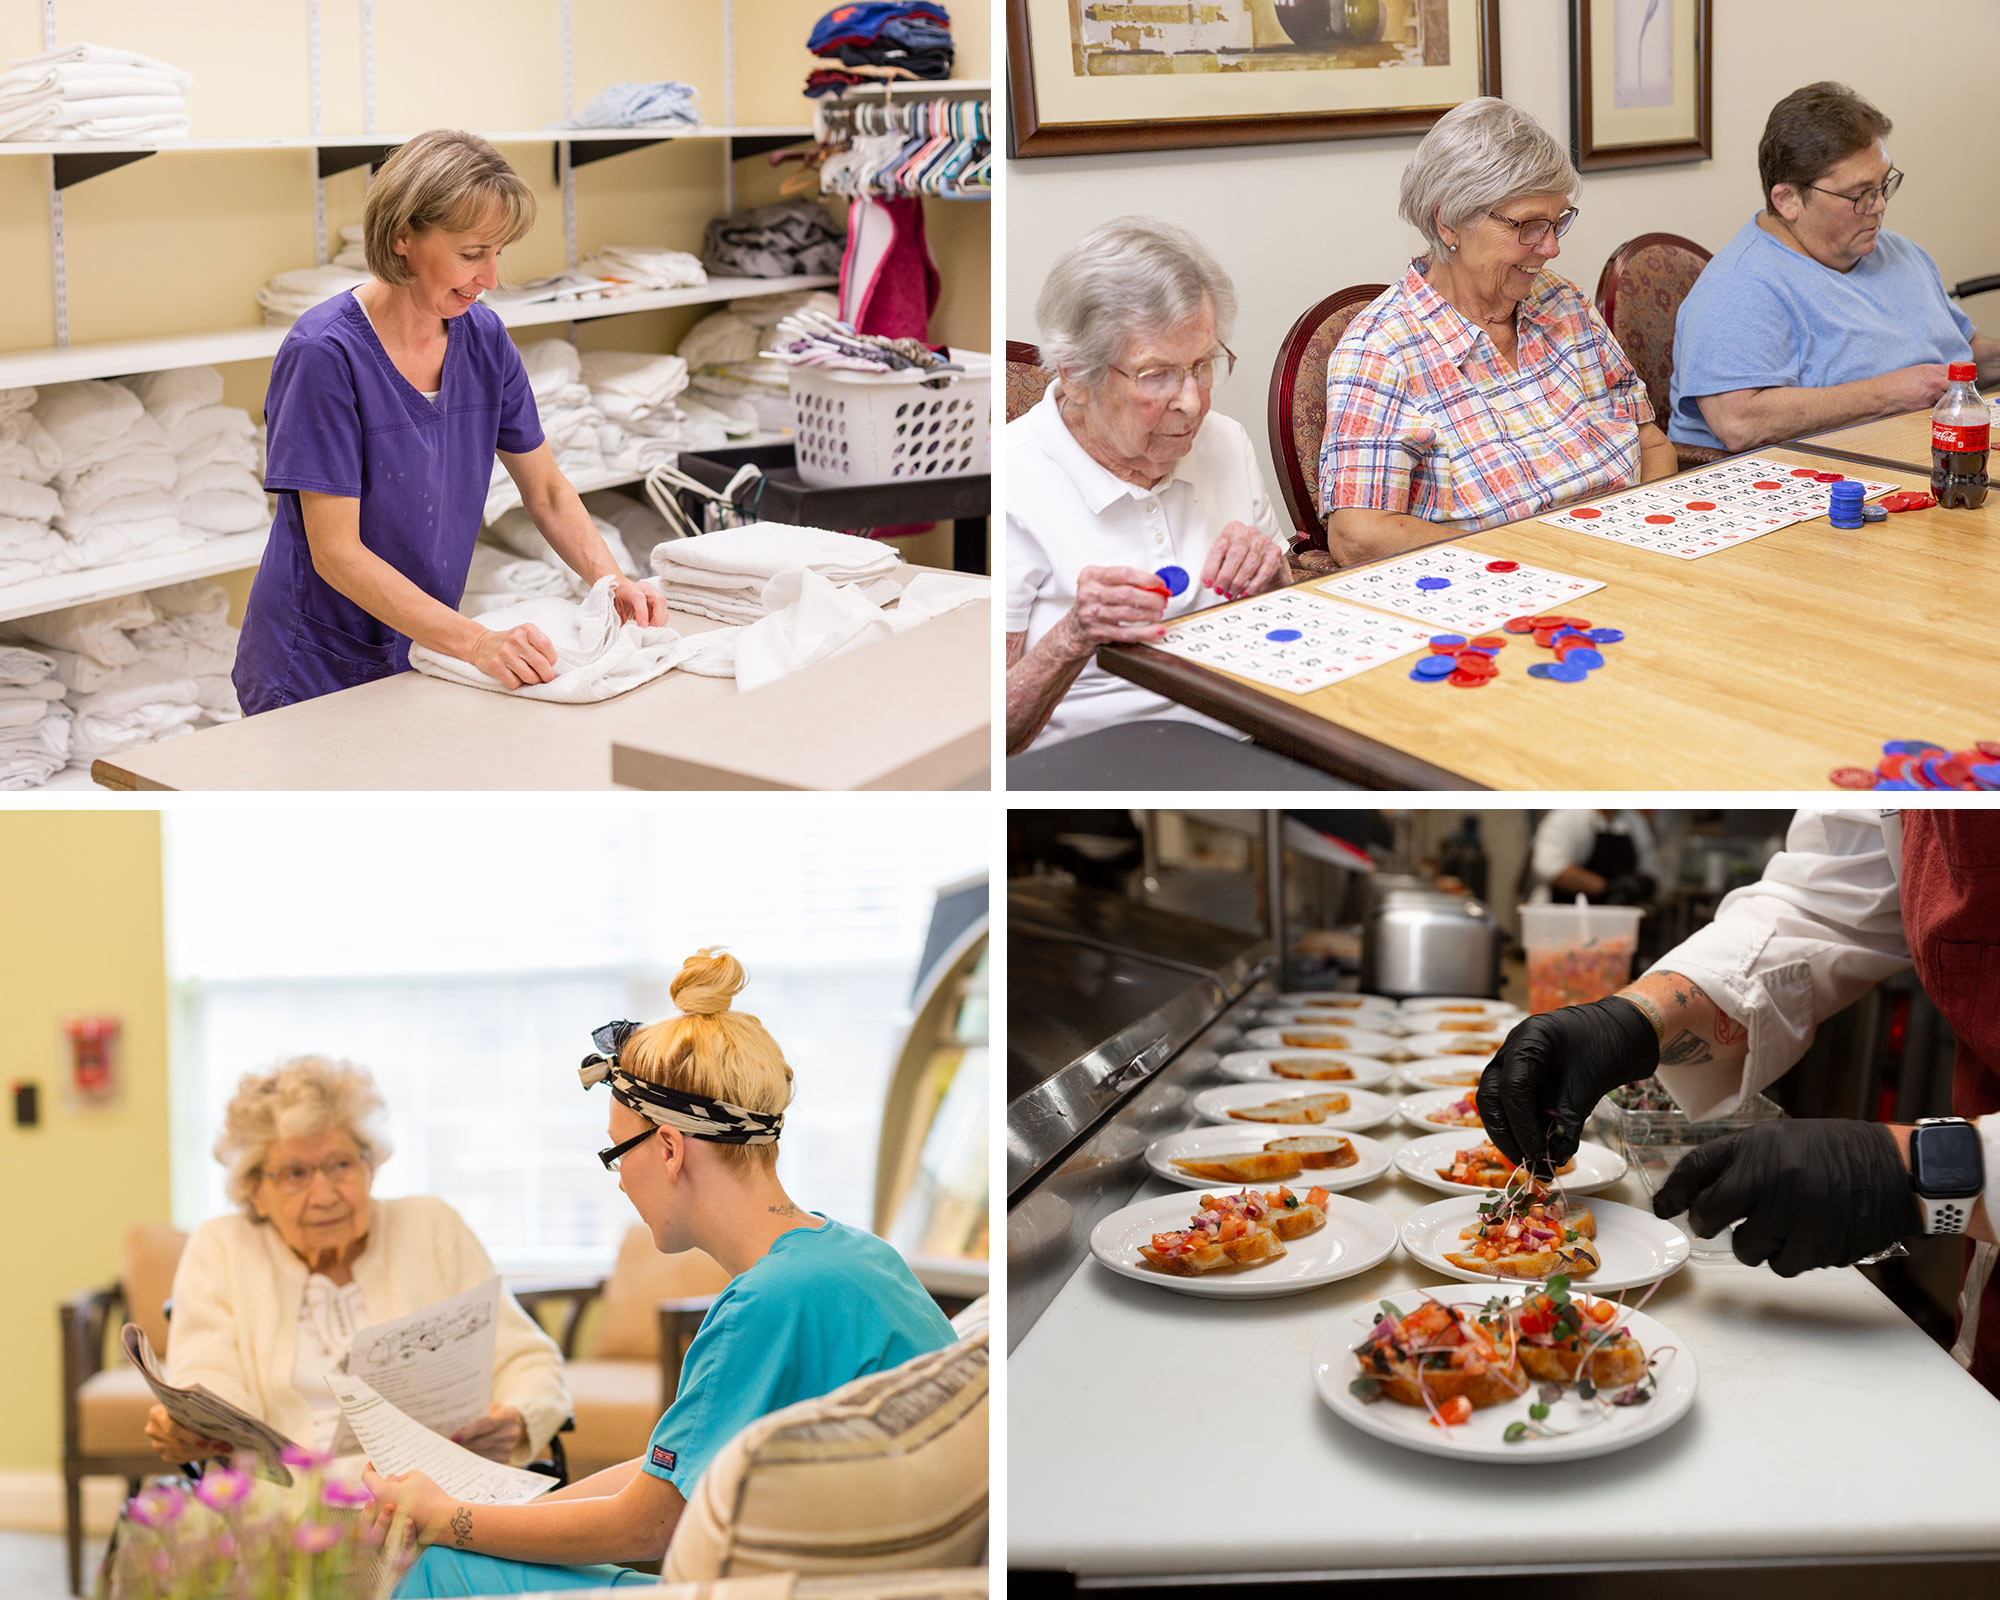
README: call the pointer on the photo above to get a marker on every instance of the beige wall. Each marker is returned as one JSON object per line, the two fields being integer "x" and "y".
{"x": 80, "y": 935}
{"x": 1292, "y": 223}
{"x": 181, "y": 242}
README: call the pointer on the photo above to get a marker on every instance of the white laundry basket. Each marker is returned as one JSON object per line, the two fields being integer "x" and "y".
{"x": 892, "y": 427}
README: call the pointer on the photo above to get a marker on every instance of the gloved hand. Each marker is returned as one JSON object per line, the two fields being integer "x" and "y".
{"x": 1552, "y": 1069}
{"x": 1628, "y": 889}
{"x": 1819, "y": 1192}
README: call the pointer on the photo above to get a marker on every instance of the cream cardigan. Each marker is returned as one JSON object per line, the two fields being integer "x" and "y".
{"x": 238, "y": 1291}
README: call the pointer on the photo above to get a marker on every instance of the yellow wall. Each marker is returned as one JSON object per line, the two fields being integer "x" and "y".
{"x": 80, "y": 934}
{"x": 180, "y": 243}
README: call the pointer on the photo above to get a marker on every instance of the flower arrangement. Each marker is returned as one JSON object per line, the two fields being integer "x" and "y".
{"x": 222, "y": 1542}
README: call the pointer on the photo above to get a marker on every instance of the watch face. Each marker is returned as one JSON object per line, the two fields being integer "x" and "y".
{"x": 1946, "y": 1161}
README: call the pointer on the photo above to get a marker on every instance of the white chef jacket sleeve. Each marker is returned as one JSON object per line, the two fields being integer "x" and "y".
{"x": 1823, "y": 924}
{"x": 1563, "y": 839}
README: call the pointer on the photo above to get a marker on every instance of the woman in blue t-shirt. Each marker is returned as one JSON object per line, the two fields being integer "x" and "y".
{"x": 697, "y": 1103}
{"x": 386, "y": 407}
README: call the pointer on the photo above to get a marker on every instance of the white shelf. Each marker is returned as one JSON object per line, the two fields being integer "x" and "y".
{"x": 591, "y": 482}
{"x": 918, "y": 87}
{"x": 346, "y": 141}
{"x": 231, "y": 553}
{"x": 23, "y": 368}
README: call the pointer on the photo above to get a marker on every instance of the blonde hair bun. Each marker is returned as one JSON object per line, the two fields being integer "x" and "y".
{"x": 707, "y": 982}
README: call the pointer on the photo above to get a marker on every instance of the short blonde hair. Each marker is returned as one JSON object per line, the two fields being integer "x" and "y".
{"x": 441, "y": 179}
{"x": 295, "y": 1101}
{"x": 713, "y": 1051}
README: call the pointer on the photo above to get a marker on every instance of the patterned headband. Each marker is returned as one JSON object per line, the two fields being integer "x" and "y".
{"x": 695, "y": 1115}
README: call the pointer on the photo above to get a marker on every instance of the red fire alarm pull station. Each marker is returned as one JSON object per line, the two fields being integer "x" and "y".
{"x": 93, "y": 1043}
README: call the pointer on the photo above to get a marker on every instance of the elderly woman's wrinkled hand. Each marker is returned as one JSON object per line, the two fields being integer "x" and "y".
{"x": 1243, "y": 562}
{"x": 176, "y": 1444}
{"x": 1118, "y": 605}
{"x": 495, "y": 1435}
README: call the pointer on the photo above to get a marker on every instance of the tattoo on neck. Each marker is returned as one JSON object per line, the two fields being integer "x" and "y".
{"x": 783, "y": 1211}
{"x": 461, "y": 1527}
{"x": 1685, "y": 1050}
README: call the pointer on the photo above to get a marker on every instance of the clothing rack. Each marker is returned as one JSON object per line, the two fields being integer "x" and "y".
{"x": 911, "y": 146}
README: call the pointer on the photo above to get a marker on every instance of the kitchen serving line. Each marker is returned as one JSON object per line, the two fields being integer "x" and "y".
{"x": 1762, "y": 666}
{"x": 1137, "y": 1413}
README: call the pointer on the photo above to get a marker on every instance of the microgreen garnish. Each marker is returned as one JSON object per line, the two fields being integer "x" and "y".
{"x": 1539, "y": 1412}
{"x": 1365, "y": 1389}
{"x": 1516, "y": 1432}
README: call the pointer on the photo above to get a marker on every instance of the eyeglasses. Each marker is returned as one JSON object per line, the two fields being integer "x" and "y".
{"x": 1533, "y": 230}
{"x": 1865, "y": 200}
{"x": 295, "y": 1177}
{"x": 611, "y": 1154}
{"x": 1163, "y": 383}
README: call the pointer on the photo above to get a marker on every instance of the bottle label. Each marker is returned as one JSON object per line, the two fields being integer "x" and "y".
{"x": 1960, "y": 438}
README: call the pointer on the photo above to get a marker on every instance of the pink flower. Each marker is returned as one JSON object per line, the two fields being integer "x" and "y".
{"x": 222, "y": 1488}
{"x": 157, "y": 1506}
{"x": 302, "y": 1459}
{"x": 313, "y": 1537}
{"x": 340, "y": 1492}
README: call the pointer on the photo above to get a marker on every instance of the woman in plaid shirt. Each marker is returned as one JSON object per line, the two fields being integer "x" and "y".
{"x": 1482, "y": 388}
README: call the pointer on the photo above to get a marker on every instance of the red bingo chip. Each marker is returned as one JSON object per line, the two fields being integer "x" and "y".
{"x": 1659, "y": 517}
{"x": 1701, "y": 505}
{"x": 1519, "y": 624}
{"x": 1578, "y": 622}
{"x": 1851, "y": 778}
{"x": 1470, "y": 680}
{"x": 1586, "y": 512}
{"x": 1804, "y": 472}
{"x": 1473, "y": 661}
{"x": 1545, "y": 637}
{"x": 1490, "y": 641}
{"x": 1989, "y": 748}
{"x": 1826, "y": 477}
{"x": 1503, "y": 566}
{"x": 1767, "y": 483}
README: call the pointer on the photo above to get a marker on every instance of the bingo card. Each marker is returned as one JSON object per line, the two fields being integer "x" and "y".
{"x": 1292, "y": 641}
{"x": 1459, "y": 589}
{"x": 1702, "y": 512}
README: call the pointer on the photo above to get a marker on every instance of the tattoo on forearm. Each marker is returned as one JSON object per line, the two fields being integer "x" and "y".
{"x": 1685, "y": 1049}
{"x": 461, "y": 1527}
{"x": 1728, "y": 1031}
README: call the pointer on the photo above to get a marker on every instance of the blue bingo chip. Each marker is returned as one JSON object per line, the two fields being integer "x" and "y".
{"x": 1987, "y": 774}
{"x": 1589, "y": 660}
{"x": 1893, "y": 747}
{"x": 1605, "y": 635}
{"x": 1567, "y": 672}
{"x": 1283, "y": 635}
{"x": 1484, "y": 649}
{"x": 1895, "y": 783}
{"x": 1539, "y": 669}
{"x": 1433, "y": 583}
{"x": 1175, "y": 578}
{"x": 1439, "y": 640}
{"x": 1874, "y": 513}
{"x": 1434, "y": 667}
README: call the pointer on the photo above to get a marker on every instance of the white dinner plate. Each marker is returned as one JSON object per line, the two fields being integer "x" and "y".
{"x": 1365, "y": 1109}
{"x": 1596, "y": 1167}
{"x": 1420, "y": 1110}
{"x": 1442, "y": 1072}
{"x": 1598, "y": 1428}
{"x": 1356, "y": 1237}
{"x": 1393, "y": 1023}
{"x": 1462, "y": 1007}
{"x": 1356, "y": 1041}
{"x": 1214, "y": 1139}
{"x": 1323, "y": 1000}
{"x": 1254, "y": 1066}
{"x": 1636, "y": 1246}
{"x": 1478, "y": 1048}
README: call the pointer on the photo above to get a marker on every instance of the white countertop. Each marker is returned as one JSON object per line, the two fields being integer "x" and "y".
{"x": 1133, "y": 1410}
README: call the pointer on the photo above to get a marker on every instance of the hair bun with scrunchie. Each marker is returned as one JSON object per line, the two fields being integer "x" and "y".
{"x": 707, "y": 982}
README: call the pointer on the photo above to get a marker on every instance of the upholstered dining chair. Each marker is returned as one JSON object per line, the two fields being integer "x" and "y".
{"x": 1026, "y": 379}
{"x": 1298, "y": 414}
{"x": 1639, "y": 295}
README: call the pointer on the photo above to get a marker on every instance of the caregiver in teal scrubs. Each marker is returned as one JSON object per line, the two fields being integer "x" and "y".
{"x": 697, "y": 1104}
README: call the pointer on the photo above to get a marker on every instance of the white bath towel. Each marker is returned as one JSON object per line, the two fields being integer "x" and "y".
{"x": 597, "y": 656}
{"x": 98, "y": 55}
{"x": 764, "y": 549}
{"x": 20, "y": 666}
{"x": 289, "y": 295}
{"x": 31, "y": 755}
{"x": 133, "y": 713}
{"x": 98, "y": 630}
{"x": 16, "y": 402}
{"x": 646, "y": 267}
{"x": 26, "y": 450}
{"x": 86, "y": 419}
{"x": 30, "y": 550}
{"x": 171, "y": 397}
{"x": 632, "y": 378}
{"x": 24, "y": 501}
{"x": 134, "y": 471}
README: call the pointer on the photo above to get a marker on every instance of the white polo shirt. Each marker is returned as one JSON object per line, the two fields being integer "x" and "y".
{"x": 1066, "y": 511}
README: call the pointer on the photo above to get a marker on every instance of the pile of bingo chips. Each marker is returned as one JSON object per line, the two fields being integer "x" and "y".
{"x": 1469, "y": 663}
{"x": 1919, "y": 764}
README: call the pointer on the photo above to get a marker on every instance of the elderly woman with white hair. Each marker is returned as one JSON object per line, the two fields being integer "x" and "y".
{"x": 266, "y": 1303}
{"x": 1482, "y": 388}
{"x": 1128, "y": 501}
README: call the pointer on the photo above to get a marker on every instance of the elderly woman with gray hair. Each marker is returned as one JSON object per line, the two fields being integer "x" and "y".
{"x": 1482, "y": 388}
{"x": 1128, "y": 502}
{"x": 266, "y": 1302}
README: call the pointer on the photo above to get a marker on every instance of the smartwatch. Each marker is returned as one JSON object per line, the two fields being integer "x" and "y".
{"x": 1947, "y": 1171}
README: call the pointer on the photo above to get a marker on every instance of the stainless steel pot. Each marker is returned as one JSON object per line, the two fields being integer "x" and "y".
{"x": 1422, "y": 942}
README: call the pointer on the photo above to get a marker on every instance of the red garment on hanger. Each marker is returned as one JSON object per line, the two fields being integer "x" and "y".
{"x": 888, "y": 282}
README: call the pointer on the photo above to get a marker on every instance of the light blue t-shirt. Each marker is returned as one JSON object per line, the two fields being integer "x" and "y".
{"x": 823, "y": 1307}
{"x": 1761, "y": 316}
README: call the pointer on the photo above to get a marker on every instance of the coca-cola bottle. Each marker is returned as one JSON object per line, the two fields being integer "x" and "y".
{"x": 1960, "y": 424}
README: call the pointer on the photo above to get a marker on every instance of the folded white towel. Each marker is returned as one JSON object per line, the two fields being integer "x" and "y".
{"x": 84, "y": 674}
{"x": 31, "y": 755}
{"x": 97, "y": 630}
{"x": 210, "y": 427}
{"x": 646, "y": 267}
{"x": 30, "y": 550}
{"x": 173, "y": 396}
{"x": 597, "y": 656}
{"x": 16, "y": 402}
{"x": 289, "y": 295}
{"x": 195, "y": 598}
{"x": 764, "y": 549}
{"x": 24, "y": 501}
{"x": 808, "y": 621}
{"x": 635, "y": 378}
{"x": 550, "y": 364}
{"x": 26, "y": 450}
{"x": 125, "y": 476}
{"x": 86, "y": 417}
{"x": 150, "y": 506}
{"x": 220, "y": 512}
{"x": 102, "y": 56}
{"x": 21, "y": 667}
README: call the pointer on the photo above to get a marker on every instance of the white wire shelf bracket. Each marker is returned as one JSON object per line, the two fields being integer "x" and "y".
{"x": 26, "y": 368}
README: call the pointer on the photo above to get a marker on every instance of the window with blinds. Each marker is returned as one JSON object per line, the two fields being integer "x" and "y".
{"x": 463, "y": 958}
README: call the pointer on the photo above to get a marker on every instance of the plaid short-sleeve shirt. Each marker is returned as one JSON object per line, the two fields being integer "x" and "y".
{"x": 1423, "y": 417}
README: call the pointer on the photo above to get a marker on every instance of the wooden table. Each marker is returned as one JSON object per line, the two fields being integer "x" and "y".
{"x": 1903, "y": 441}
{"x": 914, "y": 712}
{"x": 1761, "y": 667}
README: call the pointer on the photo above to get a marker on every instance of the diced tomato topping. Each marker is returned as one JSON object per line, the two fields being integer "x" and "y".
{"x": 1536, "y": 1321}
{"x": 1454, "y": 1411}
{"x": 1601, "y": 1310}
{"x": 1318, "y": 1196}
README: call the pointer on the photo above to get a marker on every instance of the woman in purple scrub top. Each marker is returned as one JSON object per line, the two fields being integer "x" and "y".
{"x": 385, "y": 410}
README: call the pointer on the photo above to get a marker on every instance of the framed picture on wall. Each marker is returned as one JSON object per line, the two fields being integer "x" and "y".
{"x": 1092, "y": 77}
{"x": 1641, "y": 82}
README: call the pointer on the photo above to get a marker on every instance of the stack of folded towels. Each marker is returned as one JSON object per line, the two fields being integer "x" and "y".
{"x": 641, "y": 105}
{"x": 727, "y": 368}
{"x": 351, "y": 255}
{"x": 29, "y": 546}
{"x": 219, "y": 487}
{"x": 570, "y": 420}
{"x": 117, "y": 477}
{"x": 512, "y": 561}
{"x": 636, "y": 393}
{"x": 290, "y": 295}
{"x": 638, "y": 266}
{"x": 85, "y": 91}
{"x": 723, "y": 575}
{"x": 34, "y": 723}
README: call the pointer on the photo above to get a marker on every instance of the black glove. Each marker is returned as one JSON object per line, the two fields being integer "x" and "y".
{"x": 1551, "y": 1071}
{"x": 1628, "y": 889}
{"x": 1820, "y": 1192}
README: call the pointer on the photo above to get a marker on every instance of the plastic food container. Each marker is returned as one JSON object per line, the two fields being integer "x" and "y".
{"x": 1578, "y": 953}
{"x": 1655, "y": 1141}
{"x": 893, "y": 427}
